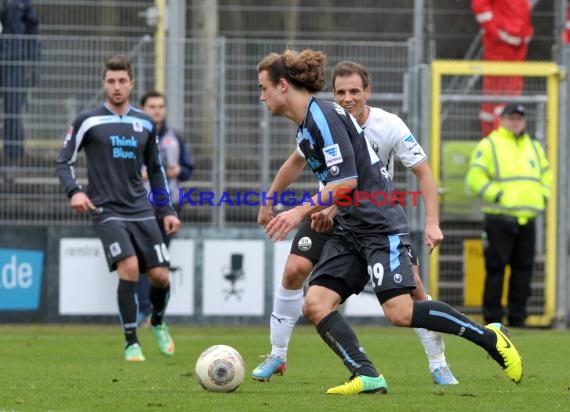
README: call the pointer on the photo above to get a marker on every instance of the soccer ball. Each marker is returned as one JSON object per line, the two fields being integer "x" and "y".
{"x": 220, "y": 368}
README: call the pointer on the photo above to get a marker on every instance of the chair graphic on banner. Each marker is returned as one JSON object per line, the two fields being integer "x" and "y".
{"x": 233, "y": 275}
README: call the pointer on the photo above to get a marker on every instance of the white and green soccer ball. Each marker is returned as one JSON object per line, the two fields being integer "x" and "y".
{"x": 220, "y": 368}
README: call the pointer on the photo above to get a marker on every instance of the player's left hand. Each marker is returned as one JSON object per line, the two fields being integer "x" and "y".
{"x": 171, "y": 224}
{"x": 323, "y": 221}
{"x": 280, "y": 226}
{"x": 433, "y": 236}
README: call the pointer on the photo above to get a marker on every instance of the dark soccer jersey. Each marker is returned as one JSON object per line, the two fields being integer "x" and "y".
{"x": 115, "y": 148}
{"x": 335, "y": 149}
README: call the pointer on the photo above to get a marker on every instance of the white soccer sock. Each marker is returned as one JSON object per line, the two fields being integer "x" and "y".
{"x": 287, "y": 306}
{"x": 433, "y": 346}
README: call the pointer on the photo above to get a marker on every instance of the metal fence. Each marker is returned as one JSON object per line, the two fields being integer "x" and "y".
{"x": 235, "y": 145}
{"x": 458, "y": 267}
{"x": 318, "y": 19}
{"x": 68, "y": 80}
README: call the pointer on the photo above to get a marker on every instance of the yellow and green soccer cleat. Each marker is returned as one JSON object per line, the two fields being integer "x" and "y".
{"x": 163, "y": 339}
{"x": 361, "y": 384}
{"x": 509, "y": 358}
{"x": 133, "y": 353}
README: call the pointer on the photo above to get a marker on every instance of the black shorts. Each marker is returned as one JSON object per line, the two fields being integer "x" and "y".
{"x": 357, "y": 258}
{"x": 308, "y": 243}
{"x": 140, "y": 238}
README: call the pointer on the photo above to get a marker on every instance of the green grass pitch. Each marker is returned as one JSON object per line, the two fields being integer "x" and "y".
{"x": 80, "y": 368}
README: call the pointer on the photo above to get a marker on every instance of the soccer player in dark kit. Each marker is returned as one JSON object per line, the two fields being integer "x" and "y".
{"x": 370, "y": 241}
{"x": 118, "y": 139}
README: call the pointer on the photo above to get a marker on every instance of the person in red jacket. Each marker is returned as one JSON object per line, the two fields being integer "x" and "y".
{"x": 566, "y": 32}
{"x": 507, "y": 29}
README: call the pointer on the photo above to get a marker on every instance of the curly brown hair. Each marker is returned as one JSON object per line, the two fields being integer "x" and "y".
{"x": 304, "y": 69}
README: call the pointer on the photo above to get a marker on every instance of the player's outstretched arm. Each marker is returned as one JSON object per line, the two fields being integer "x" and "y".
{"x": 284, "y": 222}
{"x": 433, "y": 233}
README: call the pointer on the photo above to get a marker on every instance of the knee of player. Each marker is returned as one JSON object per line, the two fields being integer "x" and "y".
{"x": 311, "y": 310}
{"x": 128, "y": 268}
{"x": 307, "y": 309}
{"x": 296, "y": 271}
{"x": 399, "y": 319}
{"x": 398, "y": 314}
{"x": 159, "y": 276}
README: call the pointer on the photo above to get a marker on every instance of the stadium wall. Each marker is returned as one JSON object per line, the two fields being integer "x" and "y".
{"x": 216, "y": 278}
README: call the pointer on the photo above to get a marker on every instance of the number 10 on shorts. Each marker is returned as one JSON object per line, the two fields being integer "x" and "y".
{"x": 162, "y": 253}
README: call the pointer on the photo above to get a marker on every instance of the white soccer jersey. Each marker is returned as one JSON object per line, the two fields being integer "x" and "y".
{"x": 393, "y": 139}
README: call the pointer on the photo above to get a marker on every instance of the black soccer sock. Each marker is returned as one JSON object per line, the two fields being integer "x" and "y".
{"x": 440, "y": 317}
{"x": 340, "y": 337}
{"x": 126, "y": 296}
{"x": 159, "y": 299}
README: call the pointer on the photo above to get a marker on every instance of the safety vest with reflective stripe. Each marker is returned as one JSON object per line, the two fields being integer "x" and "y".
{"x": 514, "y": 171}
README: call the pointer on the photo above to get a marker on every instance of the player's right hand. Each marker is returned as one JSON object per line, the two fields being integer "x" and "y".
{"x": 433, "y": 236}
{"x": 265, "y": 215}
{"x": 323, "y": 221}
{"x": 171, "y": 224}
{"x": 81, "y": 203}
{"x": 283, "y": 223}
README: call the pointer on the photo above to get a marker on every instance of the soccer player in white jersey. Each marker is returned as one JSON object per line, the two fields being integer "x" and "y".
{"x": 392, "y": 139}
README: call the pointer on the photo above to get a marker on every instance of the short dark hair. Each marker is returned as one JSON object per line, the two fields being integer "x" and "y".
{"x": 347, "y": 67}
{"x": 117, "y": 63}
{"x": 150, "y": 95}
